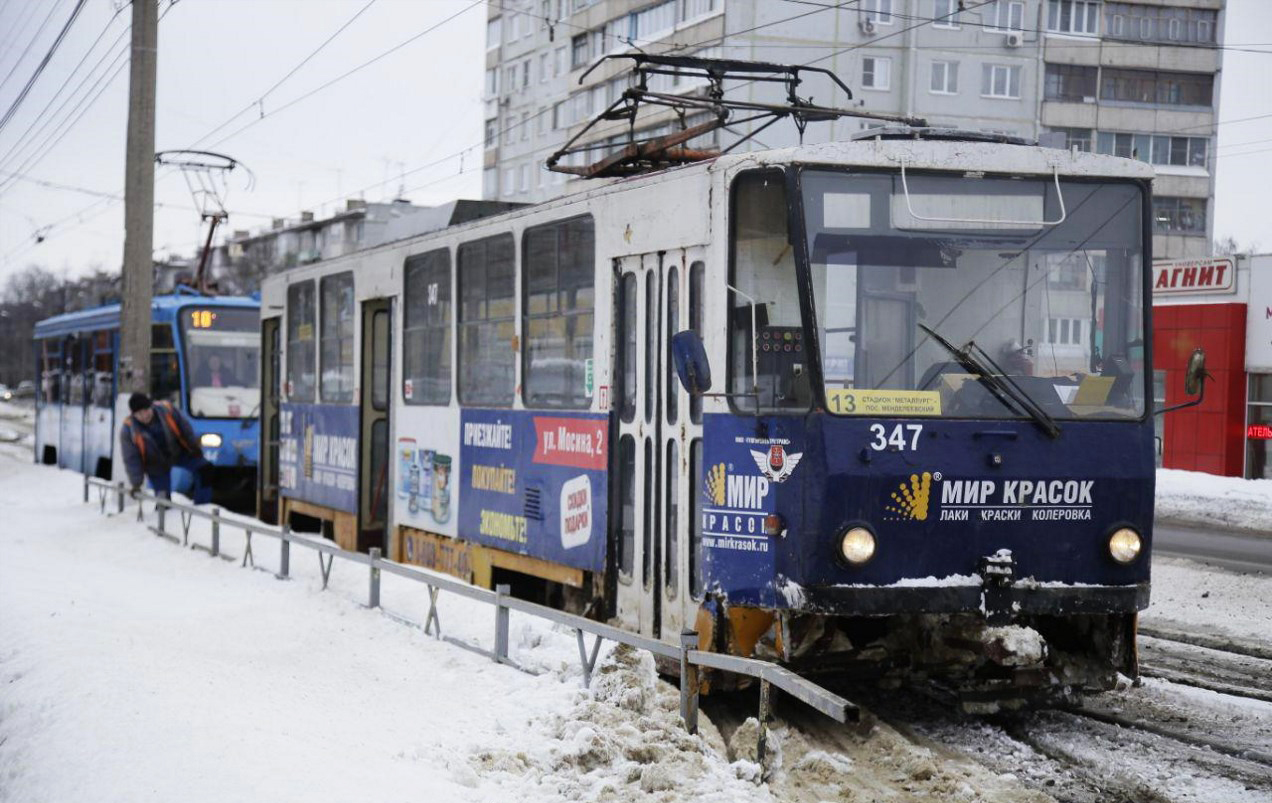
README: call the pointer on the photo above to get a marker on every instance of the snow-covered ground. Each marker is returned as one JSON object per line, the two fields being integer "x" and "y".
{"x": 1205, "y": 500}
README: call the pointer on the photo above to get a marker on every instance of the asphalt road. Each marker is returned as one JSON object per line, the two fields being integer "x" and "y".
{"x": 1229, "y": 550}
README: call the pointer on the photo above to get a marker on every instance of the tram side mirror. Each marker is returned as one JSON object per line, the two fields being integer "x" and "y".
{"x": 1195, "y": 375}
{"x": 690, "y": 358}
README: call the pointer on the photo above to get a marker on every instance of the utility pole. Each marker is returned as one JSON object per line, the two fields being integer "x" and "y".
{"x": 139, "y": 201}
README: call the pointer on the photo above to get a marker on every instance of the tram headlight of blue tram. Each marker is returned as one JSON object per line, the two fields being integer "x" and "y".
{"x": 1125, "y": 545}
{"x": 857, "y": 545}
{"x": 210, "y": 440}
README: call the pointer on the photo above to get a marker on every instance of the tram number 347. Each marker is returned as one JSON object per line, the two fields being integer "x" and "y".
{"x": 902, "y": 437}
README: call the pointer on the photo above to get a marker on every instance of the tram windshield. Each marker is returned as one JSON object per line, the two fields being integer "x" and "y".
{"x": 1039, "y": 283}
{"x": 222, "y": 361}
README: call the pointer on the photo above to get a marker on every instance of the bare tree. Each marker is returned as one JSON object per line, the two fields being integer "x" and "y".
{"x": 1228, "y": 246}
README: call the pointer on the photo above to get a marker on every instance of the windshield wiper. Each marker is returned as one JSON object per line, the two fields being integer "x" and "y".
{"x": 1001, "y": 386}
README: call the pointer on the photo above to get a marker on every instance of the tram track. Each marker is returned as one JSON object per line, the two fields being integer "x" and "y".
{"x": 1236, "y": 670}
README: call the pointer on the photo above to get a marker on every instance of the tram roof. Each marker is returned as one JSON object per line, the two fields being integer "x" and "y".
{"x": 107, "y": 315}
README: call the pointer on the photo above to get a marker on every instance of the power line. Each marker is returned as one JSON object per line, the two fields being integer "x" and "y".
{"x": 259, "y": 102}
{"x": 66, "y": 83}
{"x": 44, "y": 62}
{"x": 52, "y": 7}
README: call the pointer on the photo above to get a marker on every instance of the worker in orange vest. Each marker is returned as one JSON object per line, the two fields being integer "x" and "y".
{"x": 157, "y": 438}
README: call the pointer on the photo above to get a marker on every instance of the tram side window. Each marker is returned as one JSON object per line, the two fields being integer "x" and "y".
{"x": 559, "y": 270}
{"x": 426, "y": 375}
{"x": 165, "y": 371}
{"x": 300, "y": 342}
{"x": 627, "y": 521}
{"x": 764, "y": 314}
{"x": 626, "y": 379}
{"x": 103, "y": 381}
{"x": 487, "y": 310}
{"x": 696, "y": 279}
{"x": 51, "y": 372}
{"x": 695, "y": 519}
{"x": 673, "y": 326}
{"x": 336, "y": 338}
{"x": 74, "y": 375}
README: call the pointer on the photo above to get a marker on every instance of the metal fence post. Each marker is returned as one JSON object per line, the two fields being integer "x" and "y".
{"x": 85, "y": 489}
{"x": 160, "y": 510}
{"x": 216, "y": 531}
{"x": 766, "y": 713}
{"x": 121, "y": 497}
{"x": 688, "y": 681}
{"x": 501, "y": 623}
{"x": 375, "y": 578}
{"x": 284, "y": 553}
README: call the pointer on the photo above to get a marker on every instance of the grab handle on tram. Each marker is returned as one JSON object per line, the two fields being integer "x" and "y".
{"x": 905, "y": 185}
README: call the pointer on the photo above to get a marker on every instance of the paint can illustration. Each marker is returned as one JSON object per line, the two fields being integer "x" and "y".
{"x": 406, "y": 459}
{"x": 441, "y": 487}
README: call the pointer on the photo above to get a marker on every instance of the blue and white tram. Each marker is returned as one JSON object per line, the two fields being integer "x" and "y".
{"x": 926, "y": 447}
{"x": 79, "y": 403}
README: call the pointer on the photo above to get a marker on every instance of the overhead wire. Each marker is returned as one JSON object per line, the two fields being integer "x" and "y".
{"x": 35, "y": 38}
{"x": 39, "y": 68}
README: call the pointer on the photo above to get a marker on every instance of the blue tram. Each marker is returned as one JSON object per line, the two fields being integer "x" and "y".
{"x": 205, "y": 359}
{"x": 911, "y": 435}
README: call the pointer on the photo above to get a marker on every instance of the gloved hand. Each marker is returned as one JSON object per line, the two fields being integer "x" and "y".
{"x": 135, "y": 491}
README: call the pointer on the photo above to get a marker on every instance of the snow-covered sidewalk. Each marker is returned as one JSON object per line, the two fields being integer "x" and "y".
{"x": 133, "y": 670}
{"x": 1195, "y": 499}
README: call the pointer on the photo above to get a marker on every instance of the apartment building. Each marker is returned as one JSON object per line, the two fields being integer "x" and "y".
{"x": 1137, "y": 79}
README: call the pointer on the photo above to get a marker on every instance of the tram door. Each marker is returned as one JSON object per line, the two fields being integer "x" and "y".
{"x": 267, "y": 468}
{"x": 373, "y": 459}
{"x": 650, "y": 520}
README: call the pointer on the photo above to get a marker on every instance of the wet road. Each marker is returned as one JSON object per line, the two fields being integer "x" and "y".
{"x": 1226, "y": 549}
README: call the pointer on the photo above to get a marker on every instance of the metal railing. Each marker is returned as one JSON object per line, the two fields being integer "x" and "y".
{"x": 691, "y": 659}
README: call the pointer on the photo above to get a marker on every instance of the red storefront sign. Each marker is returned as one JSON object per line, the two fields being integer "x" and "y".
{"x": 1192, "y": 276}
{"x": 1259, "y": 432}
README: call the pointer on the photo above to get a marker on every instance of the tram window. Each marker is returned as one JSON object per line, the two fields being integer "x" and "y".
{"x": 51, "y": 372}
{"x": 627, "y": 346}
{"x": 648, "y": 537}
{"x": 673, "y": 326}
{"x": 627, "y": 525}
{"x": 672, "y": 497}
{"x": 426, "y": 370}
{"x": 558, "y": 277}
{"x": 300, "y": 342}
{"x": 74, "y": 354}
{"x": 764, "y": 314}
{"x": 651, "y": 343}
{"x": 103, "y": 370}
{"x": 695, "y": 519}
{"x": 335, "y": 359}
{"x": 696, "y": 278}
{"x": 165, "y": 370}
{"x": 487, "y": 310}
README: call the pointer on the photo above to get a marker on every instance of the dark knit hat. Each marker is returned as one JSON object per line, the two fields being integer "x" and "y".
{"x": 138, "y": 401}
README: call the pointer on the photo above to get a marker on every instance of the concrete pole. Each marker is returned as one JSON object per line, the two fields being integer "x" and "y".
{"x": 139, "y": 201}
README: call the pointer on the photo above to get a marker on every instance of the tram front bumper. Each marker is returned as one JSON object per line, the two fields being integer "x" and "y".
{"x": 1022, "y": 597}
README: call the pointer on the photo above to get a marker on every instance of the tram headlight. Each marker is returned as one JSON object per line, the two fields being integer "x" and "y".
{"x": 1125, "y": 545}
{"x": 210, "y": 440}
{"x": 857, "y": 545}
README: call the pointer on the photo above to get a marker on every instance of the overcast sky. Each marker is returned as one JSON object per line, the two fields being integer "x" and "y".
{"x": 416, "y": 107}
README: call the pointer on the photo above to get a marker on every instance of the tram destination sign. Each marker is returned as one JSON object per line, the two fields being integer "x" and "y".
{"x": 1214, "y": 275}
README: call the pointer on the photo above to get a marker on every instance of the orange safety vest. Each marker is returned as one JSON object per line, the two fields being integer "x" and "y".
{"x": 168, "y": 421}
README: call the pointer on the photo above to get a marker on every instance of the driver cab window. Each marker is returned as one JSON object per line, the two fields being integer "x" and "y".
{"x": 767, "y": 351}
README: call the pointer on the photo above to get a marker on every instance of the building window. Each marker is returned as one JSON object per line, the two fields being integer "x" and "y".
{"x": 1075, "y": 138}
{"x": 525, "y": 73}
{"x": 693, "y": 9}
{"x": 336, "y": 339}
{"x": 1258, "y": 427}
{"x": 510, "y": 181}
{"x": 876, "y": 73}
{"x": 525, "y": 178}
{"x": 1064, "y": 331}
{"x": 945, "y": 13}
{"x": 878, "y": 11}
{"x": 1074, "y": 16}
{"x": 494, "y": 32}
{"x": 1179, "y": 215}
{"x": 558, "y": 276}
{"x": 560, "y": 62}
{"x": 301, "y": 317}
{"x": 492, "y": 133}
{"x": 487, "y": 321}
{"x": 1000, "y": 81}
{"x": 1157, "y": 149}
{"x": 426, "y": 346}
{"x": 545, "y": 67}
{"x": 524, "y": 125}
{"x": 944, "y": 78}
{"x": 492, "y": 82}
{"x": 1144, "y": 23}
{"x": 1006, "y": 16}
{"x": 1160, "y": 88}
{"x": 578, "y": 51}
{"x": 1070, "y": 82}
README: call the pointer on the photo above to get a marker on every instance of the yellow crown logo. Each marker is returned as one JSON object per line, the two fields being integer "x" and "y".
{"x": 911, "y": 500}
{"x": 715, "y": 484}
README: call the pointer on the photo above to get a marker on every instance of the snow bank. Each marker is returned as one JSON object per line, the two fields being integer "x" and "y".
{"x": 1198, "y": 499}
{"x": 1209, "y": 600}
